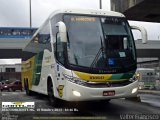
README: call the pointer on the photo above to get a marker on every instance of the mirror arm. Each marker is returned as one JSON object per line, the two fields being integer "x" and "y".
{"x": 143, "y": 33}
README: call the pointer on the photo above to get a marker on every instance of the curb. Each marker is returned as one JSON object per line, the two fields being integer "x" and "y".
{"x": 149, "y": 92}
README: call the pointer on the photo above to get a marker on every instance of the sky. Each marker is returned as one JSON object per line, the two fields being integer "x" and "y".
{"x": 15, "y": 13}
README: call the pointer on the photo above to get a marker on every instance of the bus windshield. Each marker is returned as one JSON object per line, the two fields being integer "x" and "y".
{"x": 99, "y": 42}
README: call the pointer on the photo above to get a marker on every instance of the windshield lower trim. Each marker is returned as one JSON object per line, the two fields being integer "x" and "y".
{"x": 102, "y": 70}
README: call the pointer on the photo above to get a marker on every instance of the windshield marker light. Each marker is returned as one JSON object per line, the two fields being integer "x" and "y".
{"x": 134, "y": 90}
{"x": 76, "y": 93}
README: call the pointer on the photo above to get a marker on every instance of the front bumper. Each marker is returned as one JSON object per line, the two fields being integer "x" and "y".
{"x": 88, "y": 94}
{"x": 5, "y": 88}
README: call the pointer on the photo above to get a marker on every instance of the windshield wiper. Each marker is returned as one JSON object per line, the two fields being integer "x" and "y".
{"x": 98, "y": 54}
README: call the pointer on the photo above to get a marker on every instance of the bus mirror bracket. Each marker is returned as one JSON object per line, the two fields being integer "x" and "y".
{"x": 62, "y": 31}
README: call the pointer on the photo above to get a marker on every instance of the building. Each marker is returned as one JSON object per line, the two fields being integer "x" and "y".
{"x": 10, "y": 72}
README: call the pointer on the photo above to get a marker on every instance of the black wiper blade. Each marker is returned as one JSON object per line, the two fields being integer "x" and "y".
{"x": 98, "y": 54}
{"x": 96, "y": 58}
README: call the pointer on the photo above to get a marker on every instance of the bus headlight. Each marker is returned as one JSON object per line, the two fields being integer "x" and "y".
{"x": 134, "y": 90}
{"x": 74, "y": 79}
{"x": 76, "y": 93}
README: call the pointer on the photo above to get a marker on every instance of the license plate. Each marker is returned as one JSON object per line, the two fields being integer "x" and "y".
{"x": 108, "y": 93}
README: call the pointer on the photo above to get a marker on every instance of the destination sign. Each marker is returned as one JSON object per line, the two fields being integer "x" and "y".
{"x": 91, "y": 19}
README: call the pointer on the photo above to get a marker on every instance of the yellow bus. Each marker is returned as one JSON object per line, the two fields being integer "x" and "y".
{"x": 81, "y": 55}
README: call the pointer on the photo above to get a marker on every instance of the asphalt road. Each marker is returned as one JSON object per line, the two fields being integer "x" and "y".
{"x": 116, "y": 109}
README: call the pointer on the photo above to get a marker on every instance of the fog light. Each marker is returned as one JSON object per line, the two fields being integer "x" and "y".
{"x": 134, "y": 90}
{"x": 76, "y": 93}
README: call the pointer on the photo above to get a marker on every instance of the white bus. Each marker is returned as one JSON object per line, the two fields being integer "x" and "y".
{"x": 147, "y": 78}
{"x": 81, "y": 55}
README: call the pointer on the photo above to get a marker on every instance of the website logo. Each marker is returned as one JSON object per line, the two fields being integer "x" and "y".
{"x": 18, "y": 106}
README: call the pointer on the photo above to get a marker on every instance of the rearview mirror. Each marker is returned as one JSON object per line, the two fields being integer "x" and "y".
{"x": 143, "y": 33}
{"x": 62, "y": 31}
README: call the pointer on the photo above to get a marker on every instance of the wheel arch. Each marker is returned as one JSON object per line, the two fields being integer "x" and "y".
{"x": 50, "y": 79}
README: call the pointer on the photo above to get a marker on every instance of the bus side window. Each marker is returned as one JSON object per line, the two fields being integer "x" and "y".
{"x": 59, "y": 49}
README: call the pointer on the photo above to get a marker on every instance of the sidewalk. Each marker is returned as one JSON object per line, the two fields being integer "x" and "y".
{"x": 155, "y": 92}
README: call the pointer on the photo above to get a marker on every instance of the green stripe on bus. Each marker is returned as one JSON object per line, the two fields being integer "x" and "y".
{"x": 122, "y": 76}
{"x": 37, "y": 68}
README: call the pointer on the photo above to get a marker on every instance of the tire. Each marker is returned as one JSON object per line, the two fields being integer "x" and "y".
{"x": 52, "y": 100}
{"x": 28, "y": 92}
{"x": 10, "y": 90}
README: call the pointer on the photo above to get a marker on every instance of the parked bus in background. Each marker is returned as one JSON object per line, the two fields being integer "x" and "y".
{"x": 147, "y": 78}
{"x": 81, "y": 55}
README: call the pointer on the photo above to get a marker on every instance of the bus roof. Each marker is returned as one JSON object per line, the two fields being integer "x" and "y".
{"x": 88, "y": 11}
{"x": 81, "y": 11}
